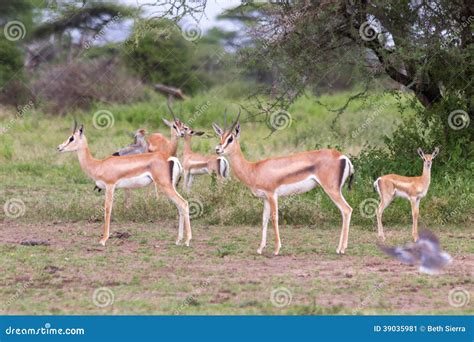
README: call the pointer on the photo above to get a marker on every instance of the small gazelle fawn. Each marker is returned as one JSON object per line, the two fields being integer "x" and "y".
{"x": 282, "y": 176}
{"x": 198, "y": 164}
{"x": 411, "y": 188}
{"x": 133, "y": 171}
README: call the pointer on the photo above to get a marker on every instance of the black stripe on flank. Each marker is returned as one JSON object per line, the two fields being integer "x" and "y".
{"x": 171, "y": 170}
{"x": 308, "y": 169}
{"x": 219, "y": 167}
{"x": 342, "y": 167}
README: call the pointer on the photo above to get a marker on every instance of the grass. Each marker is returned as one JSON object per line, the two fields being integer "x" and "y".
{"x": 148, "y": 274}
{"x": 221, "y": 273}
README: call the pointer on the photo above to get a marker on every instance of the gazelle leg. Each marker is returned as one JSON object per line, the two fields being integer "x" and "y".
{"x": 109, "y": 199}
{"x": 266, "y": 218}
{"x": 346, "y": 212}
{"x": 383, "y": 204}
{"x": 183, "y": 210}
{"x": 190, "y": 181}
{"x": 415, "y": 202}
{"x": 185, "y": 183}
{"x": 273, "y": 200}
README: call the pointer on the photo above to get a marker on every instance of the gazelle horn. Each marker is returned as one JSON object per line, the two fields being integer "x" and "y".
{"x": 235, "y": 122}
{"x": 171, "y": 111}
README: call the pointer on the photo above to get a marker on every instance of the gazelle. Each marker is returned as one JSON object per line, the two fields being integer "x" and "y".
{"x": 198, "y": 164}
{"x": 411, "y": 188}
{"x": 134, "y": 171}
{"x": 159, "y": 143}
{"x": 139, "y": 145}
{"x": 282, "y": 176}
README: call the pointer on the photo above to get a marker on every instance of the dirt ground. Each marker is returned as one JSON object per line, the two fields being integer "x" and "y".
{"x": 141, "y": 271}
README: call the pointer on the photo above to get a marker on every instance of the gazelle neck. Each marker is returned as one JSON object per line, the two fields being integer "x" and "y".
{"x": 426, "y": 175}
{"x": 174, "y": 143}
{"x": 241, "y": 167}
{"x": 86, "y": 160}
{"x": 187, "y": 144}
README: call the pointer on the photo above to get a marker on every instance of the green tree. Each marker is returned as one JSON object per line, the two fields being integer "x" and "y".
{"x": 158, "y": 52}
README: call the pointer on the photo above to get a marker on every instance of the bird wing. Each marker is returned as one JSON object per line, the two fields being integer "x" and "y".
{"x": 431, "y": 263}
{"x": 428, "y": 237}
{"x": 407, "y": 255}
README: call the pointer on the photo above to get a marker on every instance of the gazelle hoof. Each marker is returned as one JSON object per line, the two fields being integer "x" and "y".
{"x": 275, "y": 253}
{"x": 187, "y": 243}
{"x": 382, "y": 237}
{"x": 260, "y": 250}
{"x": 340, "y": 251}
{"x": 178, "y": 242}
{"x": 102, "y": 242}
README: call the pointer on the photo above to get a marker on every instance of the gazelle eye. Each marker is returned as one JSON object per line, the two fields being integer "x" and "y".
{"x": 230, "y": 140}
{"x": 71, "y": 139}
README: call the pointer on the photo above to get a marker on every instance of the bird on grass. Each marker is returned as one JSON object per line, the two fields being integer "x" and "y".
{"x": 425, "y": 253}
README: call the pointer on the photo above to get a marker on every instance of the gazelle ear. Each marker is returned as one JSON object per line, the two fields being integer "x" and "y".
{"x": 237, "y": 130}
{"x": 217, "y": 129}
{"x": 167, "y": 123}
{"x": 420, "y": 153}
{"x": 435, "y": 152}
{"x": 81, "y": 130}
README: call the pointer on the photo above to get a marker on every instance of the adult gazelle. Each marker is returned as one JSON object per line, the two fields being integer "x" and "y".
{"x": 133, "y": 171}
{"x": 272, "y": 178}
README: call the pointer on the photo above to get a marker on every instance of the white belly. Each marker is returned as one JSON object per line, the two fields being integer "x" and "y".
{"x": 298, "y": 187}
{"x": 402, "y": 194}
{"x": 135, "y": 182}
{"x": 201, "y": 171}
